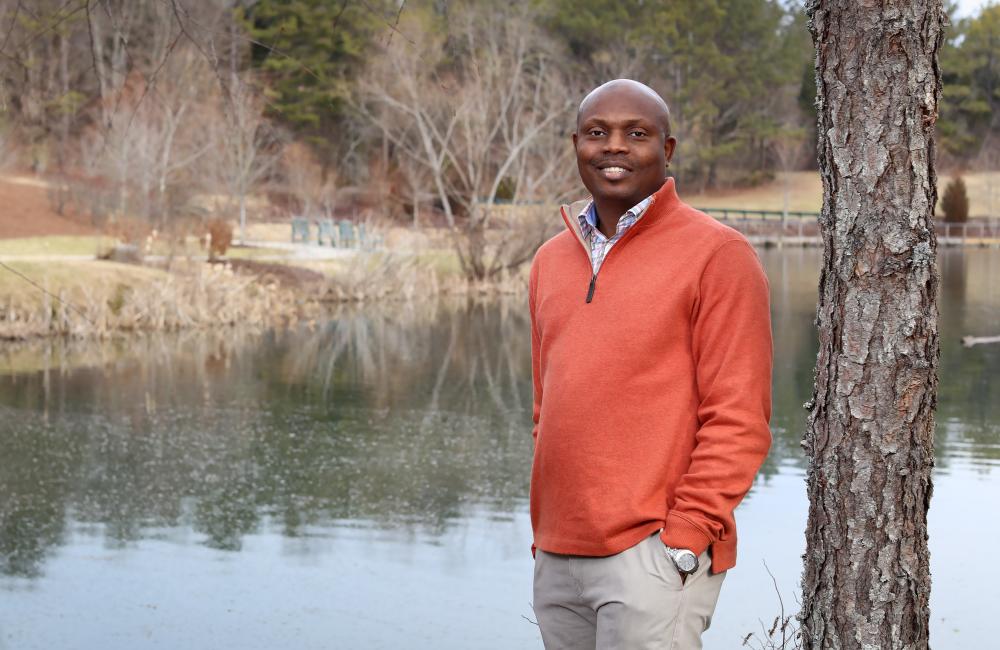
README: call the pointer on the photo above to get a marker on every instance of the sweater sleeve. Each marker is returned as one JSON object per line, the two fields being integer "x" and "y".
{"x": 731, "y": 346}
{"x": 536, "y": 343}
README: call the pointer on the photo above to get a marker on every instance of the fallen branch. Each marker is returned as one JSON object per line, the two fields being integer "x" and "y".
{"x": 969, "y": 341}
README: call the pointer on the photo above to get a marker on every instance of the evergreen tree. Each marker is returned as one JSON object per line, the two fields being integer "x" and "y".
{"x": 955, "y": 203}
{"x": 309, "y": 52}
{"x": 732, "y": 64}
{"x": 595, "y": 31}
{"x": 970, "y": 70}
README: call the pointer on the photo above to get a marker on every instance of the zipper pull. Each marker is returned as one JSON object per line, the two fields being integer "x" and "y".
{"x": 590, "y": 291}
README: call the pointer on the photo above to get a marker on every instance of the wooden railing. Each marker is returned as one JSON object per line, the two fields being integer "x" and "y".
{"x": 973, "y": 233}
{"x": 724, "y": 214}
{"x": 796, "y": 227}
{"x": 771, "y": 226}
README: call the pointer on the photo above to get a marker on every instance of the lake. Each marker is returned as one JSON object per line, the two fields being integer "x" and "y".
{"x": 363, "y": 483}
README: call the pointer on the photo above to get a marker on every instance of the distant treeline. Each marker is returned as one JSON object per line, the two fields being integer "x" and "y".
{"x": 415, "y": 107}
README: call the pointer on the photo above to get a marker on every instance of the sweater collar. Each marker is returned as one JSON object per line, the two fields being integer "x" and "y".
{"x": 663, "y": 201}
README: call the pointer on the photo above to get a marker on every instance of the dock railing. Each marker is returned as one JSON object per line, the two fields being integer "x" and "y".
{"x": 979, "y": 232}
{"x": 794, "y": 228}
{"x": 802, "y": 228}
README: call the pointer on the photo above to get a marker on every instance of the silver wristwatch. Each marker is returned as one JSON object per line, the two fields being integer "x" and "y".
{"x": 685, "y": 560}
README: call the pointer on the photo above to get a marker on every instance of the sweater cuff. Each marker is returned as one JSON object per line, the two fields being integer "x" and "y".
{"x": 681, "y": 532}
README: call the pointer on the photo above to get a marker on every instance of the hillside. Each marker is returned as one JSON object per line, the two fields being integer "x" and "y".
{"x": 25, "y": 210}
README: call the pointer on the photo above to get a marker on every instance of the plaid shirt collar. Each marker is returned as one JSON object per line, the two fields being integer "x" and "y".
{"x": 599, "y": 244}
{"x": 588, "y": 219}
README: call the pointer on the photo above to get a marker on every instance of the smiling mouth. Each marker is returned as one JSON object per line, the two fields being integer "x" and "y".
{"x": 614, "y": 173}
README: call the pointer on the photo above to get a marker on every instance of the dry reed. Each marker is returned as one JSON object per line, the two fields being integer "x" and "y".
{"x": 397, "y": 277}
{"x": 203, "y": 296}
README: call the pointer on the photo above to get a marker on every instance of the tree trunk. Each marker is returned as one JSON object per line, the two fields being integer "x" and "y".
{"x": 64, "y": 118}
{"x": 243, "y": 217}
{"x": 870, "y": 436}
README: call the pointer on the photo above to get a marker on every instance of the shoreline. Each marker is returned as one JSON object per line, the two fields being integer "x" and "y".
{"x": 94, "y": 299}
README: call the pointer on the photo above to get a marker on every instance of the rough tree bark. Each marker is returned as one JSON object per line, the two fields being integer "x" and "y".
{"x": 870, "y": 437}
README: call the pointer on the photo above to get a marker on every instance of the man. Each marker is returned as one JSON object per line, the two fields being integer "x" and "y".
{"x": 651, "y": 354}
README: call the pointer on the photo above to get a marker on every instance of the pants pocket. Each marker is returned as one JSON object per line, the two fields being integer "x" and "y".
{"x": 666, "y": 569}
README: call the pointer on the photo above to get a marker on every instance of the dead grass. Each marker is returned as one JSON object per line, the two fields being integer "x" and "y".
{"x": 97, "y": 299}
{"x": 376, "y": 276}
{"x": 252, "y": 253}
{"x": 271, "y": 231}
{"x": 806, "y": 194}
{"x": 94, "y": 245}
{"x": 406, "y": 276}
{"x": 72, "y": 278}
{"x": 55, "y": 245}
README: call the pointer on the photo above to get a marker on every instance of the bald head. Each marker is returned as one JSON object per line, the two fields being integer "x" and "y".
{"x": 630, "y": 93}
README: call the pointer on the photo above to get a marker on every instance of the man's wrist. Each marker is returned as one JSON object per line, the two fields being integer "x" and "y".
{"x": 684, "y": 559}
{"x": 680, "y": 532}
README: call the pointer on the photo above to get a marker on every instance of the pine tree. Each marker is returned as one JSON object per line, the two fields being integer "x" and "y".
{"x": 870, "y": 441}
{"x": 309, "y": 52}
{"x": 955, "y": 203}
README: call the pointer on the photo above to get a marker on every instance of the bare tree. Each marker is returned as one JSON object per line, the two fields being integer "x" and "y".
{"x": 174, "y": 128}
{"x": 871, "y": 427}
{"x": 115, "y": 28}
{"x": 43, "y": 84}
{"x": 248, "y": 146}
{"x": 315, "y": 191}
{"x": 153, "y": 137}
{"x": 475, "y": 113}
{"x": 787, "y": 145}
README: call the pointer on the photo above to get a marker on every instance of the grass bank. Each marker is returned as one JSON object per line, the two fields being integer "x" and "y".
{"x": 97, "y": 299}
{"x": 54, "y": 245}
{"x": 89, "y": 298}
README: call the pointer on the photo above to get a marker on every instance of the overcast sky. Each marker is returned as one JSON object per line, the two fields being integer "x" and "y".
{"x": 969, "y": 7}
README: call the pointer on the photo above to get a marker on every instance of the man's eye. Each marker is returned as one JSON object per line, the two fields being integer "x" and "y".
{"x": 638, "y": 134}
{"x": 595, "y": 133}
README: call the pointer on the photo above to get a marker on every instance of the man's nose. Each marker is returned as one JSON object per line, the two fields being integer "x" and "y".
{"x": 616, "y": 142}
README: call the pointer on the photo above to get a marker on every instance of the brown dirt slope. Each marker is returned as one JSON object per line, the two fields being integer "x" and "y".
{"x": 25, "y": 210}
{"x": 285, "y": 274}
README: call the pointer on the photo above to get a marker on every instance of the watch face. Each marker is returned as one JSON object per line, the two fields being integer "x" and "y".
{"x": 687, "y": 561}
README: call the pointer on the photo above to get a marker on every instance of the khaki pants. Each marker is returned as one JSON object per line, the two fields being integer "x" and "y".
{"x": 634, "y": 600}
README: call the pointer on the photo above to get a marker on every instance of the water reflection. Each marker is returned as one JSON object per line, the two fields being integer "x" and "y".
{"x": 405, "y": 418}
{"x": 409, "y": 417}
{"x": 968, "y": 416}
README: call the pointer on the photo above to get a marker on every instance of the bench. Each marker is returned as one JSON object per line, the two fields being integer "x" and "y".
{"x": 326, "y": 231}
{"x": 300, "y": 230}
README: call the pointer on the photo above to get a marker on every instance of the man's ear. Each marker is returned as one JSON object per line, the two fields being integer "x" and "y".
{"x": 574, "y": 139}
{"x": 669, "y": 144}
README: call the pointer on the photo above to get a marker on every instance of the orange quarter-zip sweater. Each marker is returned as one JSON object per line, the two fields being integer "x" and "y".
{"x": 652, "y": 399}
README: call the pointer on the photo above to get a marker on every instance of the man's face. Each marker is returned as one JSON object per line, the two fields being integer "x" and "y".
{"x": 622, "y": 147}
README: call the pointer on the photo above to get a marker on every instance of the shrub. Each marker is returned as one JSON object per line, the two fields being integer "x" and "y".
{"x": 955, "y": 203}
{"x": 220, "y": 234}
